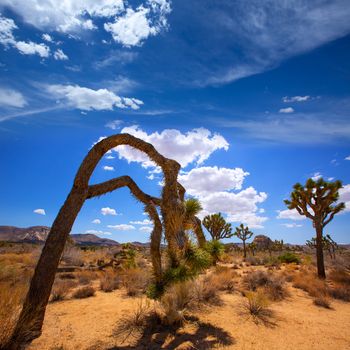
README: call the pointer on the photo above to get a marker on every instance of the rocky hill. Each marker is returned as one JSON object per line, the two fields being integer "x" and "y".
{"x": 38, "y": 234}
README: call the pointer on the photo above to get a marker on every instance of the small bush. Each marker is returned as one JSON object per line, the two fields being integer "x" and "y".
{"x": 289, "y": 258}
{"x": 84, "y": 292}
{"x": 109, "y": 282}
{"x": 257, "y": 305}
{"x": 60, "y": 290}
{"x": 309, "y": 283}
{"x": 322, "y": 301}
{"x": 340, "y": 276}
{"x": 256, "y": 279}
{"x": 340, "y": 292}
{"x": 85, "y": 277}
{"x": 223, "y": 279}
{"x": 205, "y": 291}
{"x": 66, "y": 276}
{"x": 135, "y": 281}
{"x": 216, "y": 249}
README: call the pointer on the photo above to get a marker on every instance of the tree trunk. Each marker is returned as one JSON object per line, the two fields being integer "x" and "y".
{"x": 319, "y": 253}
{"x": 32, "y": 315}
{"x": 199, "y": 232}
{"x": 244, "y": 250}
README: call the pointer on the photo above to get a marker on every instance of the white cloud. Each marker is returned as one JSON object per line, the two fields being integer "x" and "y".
{"x": 60, "y": 55}
{"x": 11, "y": 98}
{"x": 200, "y": 181}
{"x": 287, "y": 99}
{"x": 347, "y": 158}
{"x": 96, "y": 221}
{"x": 286, "y": 110}
{"x": 122, "y": 227}
{"x": 194, "y": 146}
{"x": 47, "y": 37}
{"x": 7, "y": 26}
{"x": 110, "y": 157}
{"x": 290, "y": 214}
{"x": 143, "y": 222}
{"x": 344, "y": 196}
{"x": 95, "y": 232}
{"x": 316, "y": 176}
{"x": 108, "y": 168}
{"x": 88, "y": 99}
{"x": 39, "y": 211}
{"x": 146, "y": 229}
{"x": 114, "y": 124}
{"x": 292, "y": 225}
{"x": 135, "y": 26}
{"x": 108, "y": 211}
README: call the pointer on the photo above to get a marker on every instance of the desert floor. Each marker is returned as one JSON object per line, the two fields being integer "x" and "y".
{"x": 296, "y": 323}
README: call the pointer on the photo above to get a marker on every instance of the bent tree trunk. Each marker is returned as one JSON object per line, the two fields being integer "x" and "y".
{"x": 198, "y": 231}
{"x": 31, "y": 318}
{"x": 319, "y": 253}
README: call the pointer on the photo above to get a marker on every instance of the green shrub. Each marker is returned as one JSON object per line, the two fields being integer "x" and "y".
{"x": 289, "y": 258}
{"x": 215, "y": 249}
{"x": 197, "y": 259}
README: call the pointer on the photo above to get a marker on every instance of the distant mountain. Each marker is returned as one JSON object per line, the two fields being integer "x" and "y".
{"x": 38, "y": 234}
{"x": 90, "y": 239}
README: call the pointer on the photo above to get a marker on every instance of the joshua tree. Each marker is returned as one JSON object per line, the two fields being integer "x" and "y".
{"x": 217, "y": 227}
{"x": 317, "y": 200}
{"x": 31, "y": 318}
{"x": 191, "y": 222}
{"x": 278, "y": 245}
{"x": 243, "y": 234}
{"x": 252, "y": 247}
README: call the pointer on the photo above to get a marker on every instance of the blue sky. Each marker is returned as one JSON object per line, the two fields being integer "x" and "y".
{"x": 249, "y": 96}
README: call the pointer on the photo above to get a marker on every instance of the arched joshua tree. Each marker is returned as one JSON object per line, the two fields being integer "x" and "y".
{"x": 31, "y": 318}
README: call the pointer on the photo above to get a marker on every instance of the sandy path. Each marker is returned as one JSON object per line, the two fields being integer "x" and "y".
{"x": 297, "y": 324}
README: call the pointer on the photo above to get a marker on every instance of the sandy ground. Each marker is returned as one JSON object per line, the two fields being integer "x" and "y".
{"x": 296, "y": 324}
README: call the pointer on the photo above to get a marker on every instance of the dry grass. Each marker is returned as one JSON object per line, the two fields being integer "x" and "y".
{"x": 11, "y": 299}
{"x": 109, "y": 282}
{"x": 86, "y": 277}
{"x": 323, "y": 301}
{"x": 257, "y": 306}
{"x": 84, "y": 292}
{"x": 61, "y": 289}
{"x": 224, "y": 278}
{"x": 309, "y": 283}
{"x": 135, "y": 281}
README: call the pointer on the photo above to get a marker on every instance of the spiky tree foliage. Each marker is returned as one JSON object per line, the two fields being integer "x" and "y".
{"x": 278, "y": 245}
{"x": 317, "y": 200}
{"x": 243, "y": 233}
{"x": 31, "y": 317}
{"x": 215, "y": 248}
{"x": 191, "y": 222}
{"x": 217, "y": 227}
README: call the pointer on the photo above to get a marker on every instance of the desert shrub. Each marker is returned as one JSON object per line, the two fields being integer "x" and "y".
{"x": 289, "y": 258}
{"x": 11, "y": 299}
{"x": 72, "y": 256}
{"x": 133, "y": 324}
{"x": 309, "y": 283}
{"x": 178, "y": 274}
{"x": 215, "y": 249}
{"x": 204, "y": 291}
{"x": 323, "y": 301}
{"x": 340, "y": 292}
{"x": 340, "y": 276}
{"x": 109, "y": 282}
{"x": 66, "y": 276}
{"x": 274, "y": 285}
{"x": 257, "y": 305}
{"x": 84, "y": 292}
{"x": 223, "y": 279}
{"x": 60, "y": 290}
{"x": 135, "y": 281}
{"x": 85, "y": 277}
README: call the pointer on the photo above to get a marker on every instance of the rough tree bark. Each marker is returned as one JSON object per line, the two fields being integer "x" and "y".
{"x": 31, "y": 318}
{"x": 321, "y": 272}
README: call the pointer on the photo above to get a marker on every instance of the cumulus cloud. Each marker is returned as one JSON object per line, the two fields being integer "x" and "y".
{"x": 59, "y": 55}
{"x": 47, "y": 37}
{"x": 344, "y": 196}
{"x": 39, "y": 211}
{"x": 146, "y": 229}
{"x": 88, "y": 99}
{"x": 7, "y": 26}
{"x": 143, "y": 222}
{"x": 202, "y": 180}
{"x": 290, "y": 214}
{"x": 122, "y": 227}
{"x": 108, "y": 168}
{"x": 135, "y": 26}
{"x": 96, "y": 221}
{"x": 11, "y": 98}
{"x": 108, "y": 211}
{"x": 316, "y": 176}
{"x": 287, "y": 99}
{"x": 347, "y": 158}
{"x": 286, "y": 110}
{"x": 95, "y": 232}
{"x": 195, "y": 146}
